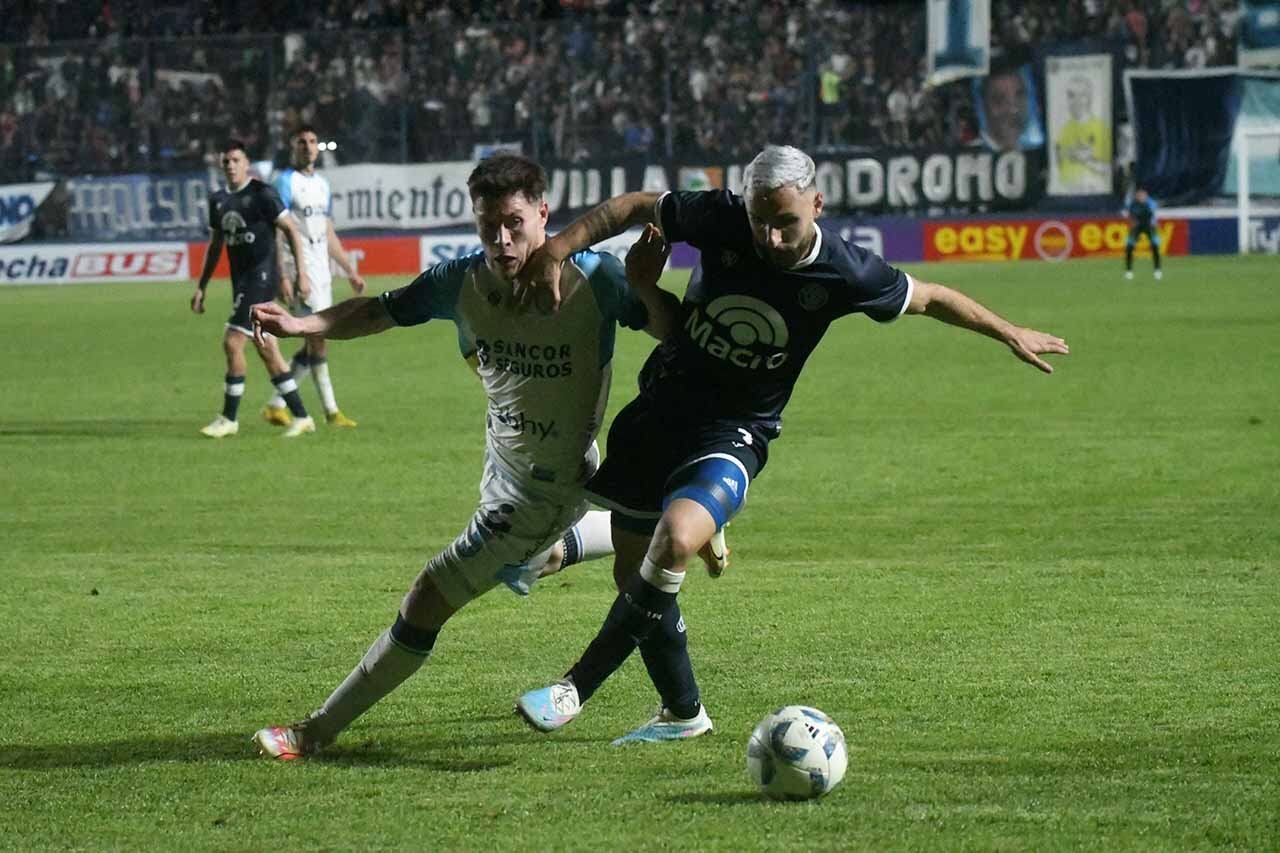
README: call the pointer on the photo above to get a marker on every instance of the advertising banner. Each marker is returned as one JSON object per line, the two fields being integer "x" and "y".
{"x": 140, "y": 207}
{"x": 1078, "y": 95}
{"x": 18, "y": 204}
{"x": 902, "y": 182}
{"x": 71, "y": 263}
{"x": 1259, "y": 34}
{"x": 959, "y": 33}
{"x": 371, "y": 256}
{"x": 1043, "y": 239}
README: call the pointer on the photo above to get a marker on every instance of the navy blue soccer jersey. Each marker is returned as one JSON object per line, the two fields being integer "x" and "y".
{"x": 747, "y": 327}
{"x": 247, "y": 220}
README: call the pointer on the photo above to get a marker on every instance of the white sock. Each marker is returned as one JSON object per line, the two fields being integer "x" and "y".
{"x": 592, "y": 536}
{"x": 320, "y": 375}
{"x": 382, "y": 669}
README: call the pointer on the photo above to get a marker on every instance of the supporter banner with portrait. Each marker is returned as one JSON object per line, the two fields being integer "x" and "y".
{"x": 959, "y": 34}
{"x": 1258, "y": 33}
{"x": 18, "y": 206}
{"x": 140, "y": 207}
{"x": 1078, "y": 104}
{"x": 1008, "y": 111}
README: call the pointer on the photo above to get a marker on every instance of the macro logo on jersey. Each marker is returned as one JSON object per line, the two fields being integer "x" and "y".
{"x": 740, "y": 330}
{"x": 236, "y": 229}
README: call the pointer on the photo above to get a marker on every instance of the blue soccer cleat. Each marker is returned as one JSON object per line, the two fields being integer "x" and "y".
{"x": 667, "y": 726}
{"x": 549, "y": 708}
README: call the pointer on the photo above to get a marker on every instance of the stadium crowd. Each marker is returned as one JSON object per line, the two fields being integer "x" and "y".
{"x": 127, "y": 85}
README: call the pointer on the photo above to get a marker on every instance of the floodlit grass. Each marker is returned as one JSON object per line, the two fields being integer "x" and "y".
{"x": 1045, "y": 609}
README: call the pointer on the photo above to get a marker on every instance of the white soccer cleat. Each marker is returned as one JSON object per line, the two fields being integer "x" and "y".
{"x": 667, "y": 726}
{"x": 286, "y": 743}
{"x": 549, "y": 708}
{"x": 1159, "y": 275}
{"x": 221, "y": 427}
{"x": 299, "y": 427}
{"x": 1128, "y": 276}
{"x": 715, "y": 554}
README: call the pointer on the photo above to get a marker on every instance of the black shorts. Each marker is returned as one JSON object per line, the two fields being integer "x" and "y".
{"x": 650, "y": 446}
{"x": 261, "y": 284}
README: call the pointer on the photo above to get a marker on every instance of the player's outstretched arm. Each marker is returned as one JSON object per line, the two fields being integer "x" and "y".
{"x": 354, "y": 318}
{"x": 210, "y": 261}
{"x": 340, "y": 255}
{"x": 608, "y": 219}
{"x": 646, "y": 260}
{"x": 952, "y": 306}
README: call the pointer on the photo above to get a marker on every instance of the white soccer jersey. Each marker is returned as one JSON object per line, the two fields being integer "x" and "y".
{"x": 546, "y": 376}
{"x": 310, "y": 202}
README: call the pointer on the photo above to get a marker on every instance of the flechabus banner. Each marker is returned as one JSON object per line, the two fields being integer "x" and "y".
{"x": 1078, "y": 95}
{"x": 70, "y": 263}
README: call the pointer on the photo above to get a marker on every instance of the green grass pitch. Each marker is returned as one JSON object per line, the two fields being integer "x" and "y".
{"x": 1045, "y": 609}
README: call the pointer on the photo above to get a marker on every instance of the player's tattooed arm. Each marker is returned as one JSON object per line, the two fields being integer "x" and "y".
{"x": 953, "y": 307}
{"x": 210, "y": 261}
{"x": 354, "y": 318}
{"x": 541, "y": 273}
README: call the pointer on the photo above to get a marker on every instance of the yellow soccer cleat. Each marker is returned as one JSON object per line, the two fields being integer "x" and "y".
{"x": 278, "y": 416}
{"x": 337, "y": 419}
{"x": 299, "y": 427}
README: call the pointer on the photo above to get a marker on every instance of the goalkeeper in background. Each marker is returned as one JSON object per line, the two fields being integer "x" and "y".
{"x": 1142, "y": 220}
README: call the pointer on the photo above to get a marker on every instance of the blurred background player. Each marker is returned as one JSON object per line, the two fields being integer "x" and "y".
{"x": 307, "y": 197}
{"x": 1142, "y": 220}
{"x": 245, "y": 216}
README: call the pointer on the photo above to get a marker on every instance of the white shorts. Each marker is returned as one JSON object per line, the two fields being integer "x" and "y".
{"x": 514, "y": 528}
{"x": 320, "y": 272}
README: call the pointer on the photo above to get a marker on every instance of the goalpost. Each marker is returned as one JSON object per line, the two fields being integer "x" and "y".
{"x": 1257, "y": 184}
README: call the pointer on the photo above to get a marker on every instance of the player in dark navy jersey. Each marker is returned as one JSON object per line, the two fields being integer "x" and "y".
{"x": 245, "y": 217}
{"x": 1141, "y": 211}
{"x": 681, "y": 456}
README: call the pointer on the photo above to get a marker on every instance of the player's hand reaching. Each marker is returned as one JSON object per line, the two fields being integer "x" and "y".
{"x": 197, "y": 301}
{"x": 272, "y": 318}
{"x": 538, "y": 282}
{"x": 647, "y": 258}
{"x": 357, "y": 284}
{"x": 1029, "y": 345}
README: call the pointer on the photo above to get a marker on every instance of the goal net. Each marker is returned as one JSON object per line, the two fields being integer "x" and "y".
{"x": 1257, "y": 187}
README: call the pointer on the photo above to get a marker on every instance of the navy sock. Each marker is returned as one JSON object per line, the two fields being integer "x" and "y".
{"x": 411, "y": 638}
{"x": 288, "y": 389}
{"x": 1128, "y": 258}
{"x": 1155, "y": 253}
{"x": 300, "y": 359}
{"x": 635, "y": 614}
{"x": 666, "y": 656}
{"x": 231, "y": 395}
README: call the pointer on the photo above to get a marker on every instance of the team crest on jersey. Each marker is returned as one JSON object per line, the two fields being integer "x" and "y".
{"x": 728, "y": 257}
{"x": 812, "y": 296}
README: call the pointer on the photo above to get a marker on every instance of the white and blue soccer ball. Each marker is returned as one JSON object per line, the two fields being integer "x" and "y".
{"x": 796, "y": 753}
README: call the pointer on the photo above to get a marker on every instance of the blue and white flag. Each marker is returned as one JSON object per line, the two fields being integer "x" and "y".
{"x": 959, "y": 39}
{"x": 18, "y": 204}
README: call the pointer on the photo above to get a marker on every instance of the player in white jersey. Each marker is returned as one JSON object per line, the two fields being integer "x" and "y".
{"x": 547, "y": 380}
{"x": 306, "y": 195}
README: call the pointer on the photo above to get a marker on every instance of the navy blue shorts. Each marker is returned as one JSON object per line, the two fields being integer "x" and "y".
{"x": 262, "y": 284}
{"x": 652, "y": 450}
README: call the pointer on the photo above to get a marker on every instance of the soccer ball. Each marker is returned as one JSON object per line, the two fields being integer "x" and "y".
{"x": 796, "y": 753}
